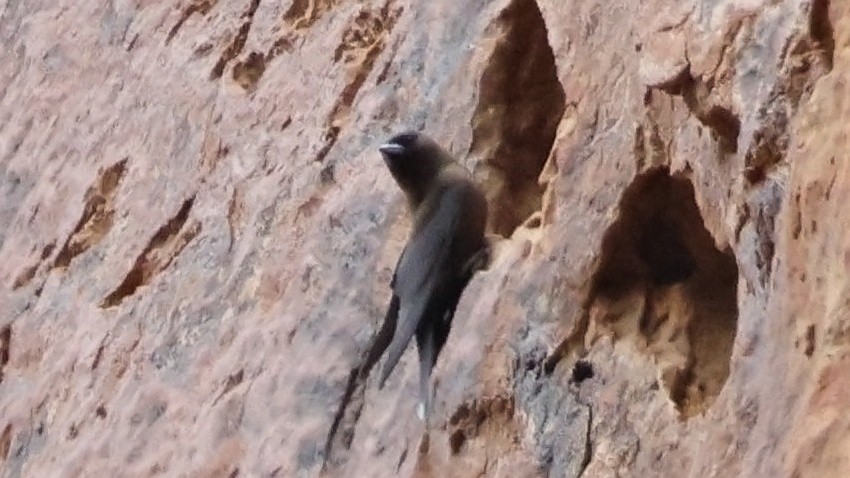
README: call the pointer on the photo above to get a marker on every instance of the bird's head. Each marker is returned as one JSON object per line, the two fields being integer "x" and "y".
{"x": 400, "y": 146}
{"x": 414, "y": 159}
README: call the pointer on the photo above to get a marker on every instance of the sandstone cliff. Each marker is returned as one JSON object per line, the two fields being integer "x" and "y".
{"x": 197, "y": 236}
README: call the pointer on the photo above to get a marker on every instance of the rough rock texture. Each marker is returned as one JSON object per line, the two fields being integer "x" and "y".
{"x": 198, "y": 236}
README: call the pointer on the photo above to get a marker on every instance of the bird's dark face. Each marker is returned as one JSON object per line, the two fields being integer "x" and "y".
{"x": 414, "y": 161}
{"x": 412, "y": 157}
{"x": 400, "y": 148}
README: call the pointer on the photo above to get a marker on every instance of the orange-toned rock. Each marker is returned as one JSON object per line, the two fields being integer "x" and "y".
{"x": 197, "y": 237}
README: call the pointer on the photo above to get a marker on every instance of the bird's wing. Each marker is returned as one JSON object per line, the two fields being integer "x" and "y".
{"x": 420, "y": 272}
{"x": 383, "y": 339}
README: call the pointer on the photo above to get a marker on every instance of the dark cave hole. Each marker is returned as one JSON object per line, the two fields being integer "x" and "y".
{"x": 822, "y": 31}
{"x": 662, "y": 250}
{"x": 658, "y": 257}
{"x": 520, "y": 105}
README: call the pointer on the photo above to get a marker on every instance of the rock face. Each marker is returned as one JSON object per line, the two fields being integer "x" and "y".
{"x": 198, "y": 237}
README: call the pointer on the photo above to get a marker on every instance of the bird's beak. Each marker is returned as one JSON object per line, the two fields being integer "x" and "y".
{"x": 391, "y": 149}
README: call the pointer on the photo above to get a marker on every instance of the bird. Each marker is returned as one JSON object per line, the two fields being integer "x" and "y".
{"x": 447, "y": 245}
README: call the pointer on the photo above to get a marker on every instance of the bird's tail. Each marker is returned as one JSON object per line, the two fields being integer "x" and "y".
{"x": 427, "y": 356}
